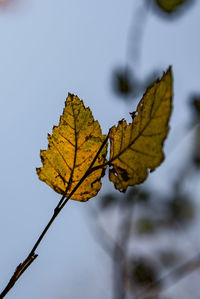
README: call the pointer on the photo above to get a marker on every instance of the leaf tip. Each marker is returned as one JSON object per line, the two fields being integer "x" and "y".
{"x": 168, "y": 73}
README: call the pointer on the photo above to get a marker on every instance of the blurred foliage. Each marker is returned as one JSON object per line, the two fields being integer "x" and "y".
{"x": 157, "y": 216}
{"x": 145, "y": 226}
{"x": 169, "y": 6}
{"x": 195, "y": 106}
{"x": 123, "y": 82}
{"x": 196, "y": 150}
{"x": 171, "y": 9}
{"x": 181, "y": 210}
{"x": 127, "y": 86}
{"x": 143, "y": 271}
{"x": 108, "y": 200}
{"x": 146, "y": 216}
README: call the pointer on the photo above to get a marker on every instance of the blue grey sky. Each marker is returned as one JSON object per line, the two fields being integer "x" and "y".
{"x": 50, "y": 48}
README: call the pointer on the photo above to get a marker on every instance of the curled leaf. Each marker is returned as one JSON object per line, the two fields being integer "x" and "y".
{"x": 136, "y": 148}
{"x": 71, "y": 150}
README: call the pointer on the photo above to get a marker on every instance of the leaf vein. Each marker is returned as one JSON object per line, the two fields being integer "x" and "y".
{"x": 62, "y": 156}
{"x": 141, "y": 152}
{"x": 66, "y": 139}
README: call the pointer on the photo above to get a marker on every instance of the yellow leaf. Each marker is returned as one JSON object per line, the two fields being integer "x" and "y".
{"x": 71, "y": 150}
{"x": 136, "y": 148}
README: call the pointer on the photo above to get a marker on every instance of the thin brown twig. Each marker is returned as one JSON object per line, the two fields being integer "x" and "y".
{"x": 21, "y": 268}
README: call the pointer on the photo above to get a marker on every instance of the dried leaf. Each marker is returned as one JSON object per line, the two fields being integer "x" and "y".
{"x": 72, "y": 147}
{"x": 136, "y": 148}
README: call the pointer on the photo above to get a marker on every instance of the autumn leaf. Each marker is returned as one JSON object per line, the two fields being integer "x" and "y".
{"x": 76, "y": 155}
{"x": 136, "y": 148}
{"x": 71, "y": 150}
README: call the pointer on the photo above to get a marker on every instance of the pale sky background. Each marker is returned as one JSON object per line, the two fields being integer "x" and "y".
{"x": 47, "y": 49}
